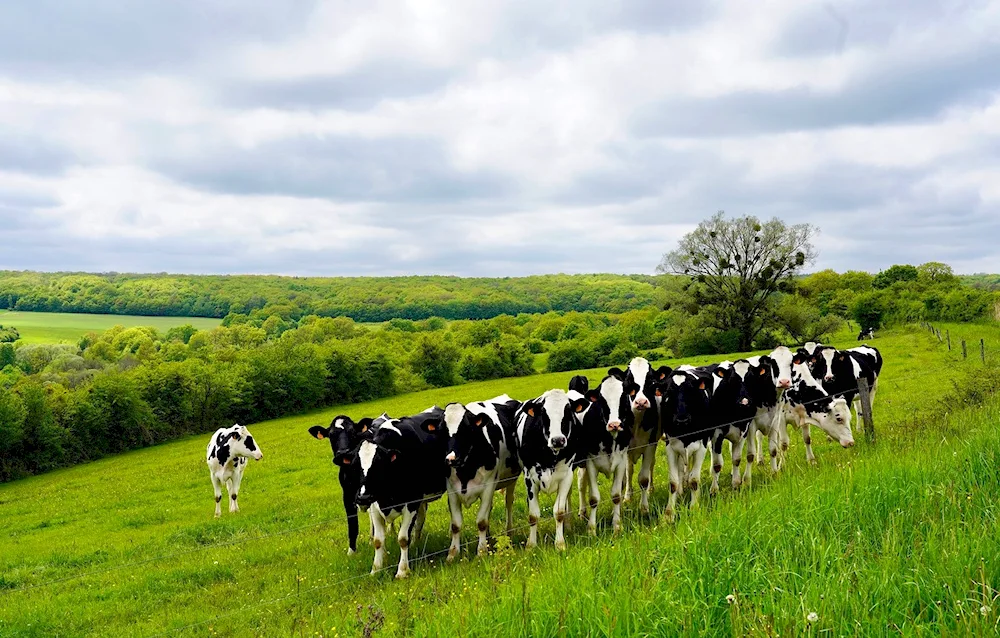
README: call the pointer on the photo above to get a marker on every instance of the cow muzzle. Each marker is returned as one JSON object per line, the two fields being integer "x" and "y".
{"x": 615, "y": 426}
{"x": 847, "y": 443}
{"x": 828, "y": 377}
{"x": 258, "y": 456}
{"x": 557, "y": 442}
{"x": 744, "y": 401}
{"x": 364, "y": 501}
{"x": 451, "y": 458}
{"x": 641, "y": 403}
{"x": 784, "y": 383}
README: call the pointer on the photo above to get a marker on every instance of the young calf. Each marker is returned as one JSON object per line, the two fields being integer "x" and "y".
{"x": 345, "y": 438}
{"x": 403, "y": 468}
{"x": 809, "y": 404}
{"x": 687, "y": 424}
{"x": 605, "y": 430}
{"x": 482, "y": 459}
{"x": 546, "y": 448}
{"x": 228, "y": 452}
{"x": 732, "y": 410}
{"x": 646, "y": 430}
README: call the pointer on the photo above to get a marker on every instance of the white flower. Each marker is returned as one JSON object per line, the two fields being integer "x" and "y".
{"x": 812, "y": 617}
{"x": 984, "y": 610}
{"x": 730, "y": 599}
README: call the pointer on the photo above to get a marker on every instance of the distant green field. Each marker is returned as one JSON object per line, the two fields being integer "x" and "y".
{"x": 897, "y": 537}
{"x": 66, "y": 327}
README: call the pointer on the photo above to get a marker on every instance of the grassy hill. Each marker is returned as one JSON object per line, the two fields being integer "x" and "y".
{"x": 896, "y": 537}
{"x": 65, "y": 327}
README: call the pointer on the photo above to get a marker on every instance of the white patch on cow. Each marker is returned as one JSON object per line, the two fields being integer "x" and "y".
{"x": 741, "y": 368}
{"x": 639, "y": 368}
{"x": 487, "y": 409}
{"x": 754, "y": 361}
{"x": 685, "y": 368}
{"x": 554, "y": 403}
{"x": 339, "y": 423}
{"x": 612, "y": 390}
{"x": 679, "y": 379}
{"x": 388, "y": 425}
{"x": 783, "y": 357}
{"x": 453, "y": 415}
{"x": 500, "y": 400}
{"x": 827, "y": 354}
{"x": 367, "y": 456}
{"x": 810, "y": 347}
{"x": 856, "y": 367}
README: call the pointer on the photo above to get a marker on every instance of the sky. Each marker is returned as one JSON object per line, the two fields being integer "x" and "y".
{"x": 489, "y": 138}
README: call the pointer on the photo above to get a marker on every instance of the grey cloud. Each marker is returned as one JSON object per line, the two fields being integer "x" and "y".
{"x": 26, "y": 154}
{"x": 335, "y": 167}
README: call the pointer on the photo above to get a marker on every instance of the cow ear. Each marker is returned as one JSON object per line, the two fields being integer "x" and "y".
{"x": 236, "y": 436}
{"x": 701, "y": 386}
{"x": 762, "y": 372}
{"x": 615, "y": 372}
{"x": 662, "y": 372}
{"x": 392, "y": 458}
{"x": 319, "y": 432}
{"x": 592, "y": 395}
{"x": 529, "y": 409}
{"x": 840, "y": 356}
{"x": 363, "y": 425}
{"x": 581, "y": 404}
{"x": 720, "y": 372}
{"x": 432, "y": 425}
{"x": 479, "y": 421}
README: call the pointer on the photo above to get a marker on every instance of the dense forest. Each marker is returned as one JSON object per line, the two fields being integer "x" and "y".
{"x": 132, "y": 387}
{"x": 364, "y": 299}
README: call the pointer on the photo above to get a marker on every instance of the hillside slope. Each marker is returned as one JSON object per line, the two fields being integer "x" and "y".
{"x": 902, "y": 533}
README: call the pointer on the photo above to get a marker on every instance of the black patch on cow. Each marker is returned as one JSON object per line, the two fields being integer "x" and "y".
{"x": 223, "y": 454}
{"x": 250, "y": 444}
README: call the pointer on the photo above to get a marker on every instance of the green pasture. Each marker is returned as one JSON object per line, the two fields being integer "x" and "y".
{"x": 68, "y": 327}
{"x": 897, "y": 538}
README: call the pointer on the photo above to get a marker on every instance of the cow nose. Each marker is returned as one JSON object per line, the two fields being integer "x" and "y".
{"x": 363, "y": 500}
{"x": 848, "y": 443}
{"x": 558, "y": 441}
{"x": 641, "y": 403}
{"x": 614, "y": 426}
{"x": 258, "y": 456}
{"x": 745, "y": 401}
{"x": 828, "y": 377}
{"x": 451, "y": 457}
{"x": 785, "y": 383}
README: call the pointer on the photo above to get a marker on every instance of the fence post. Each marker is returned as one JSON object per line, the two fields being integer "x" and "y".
{"x": 982, "y": 350}
{"x": 866, "y": 409}
{"x": 948, "y": 333}
{"x": 964, "y": 353}
{"x": 939, "y": 335}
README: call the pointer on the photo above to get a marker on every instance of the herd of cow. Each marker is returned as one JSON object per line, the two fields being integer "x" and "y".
{"x": 394, "y": 468}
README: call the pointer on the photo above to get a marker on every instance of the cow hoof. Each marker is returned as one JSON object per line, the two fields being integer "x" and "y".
{"x": 695, "y": 505}
{"x": 452, "y": 555}
{"x": 592, "y": 530}
{"x": 812, "y": 461}
{"x": 351, "y": 552}
{"x": 400, "y": 575}
{"x": 644, "y": 509}
{"x": 530, "y": 545}
{"x": 617, "y": 529}
{"x": 670, "y": 515}
{"x": 561, "y": 546}
{"x": 483, "y": 550}
{"x": 713, "y": 490}
{"x": 627, "y": 497}
{"x": 737, "y": 484}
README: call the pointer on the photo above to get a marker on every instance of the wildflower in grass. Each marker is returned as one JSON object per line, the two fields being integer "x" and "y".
{"x": 984, "y": 610}
{"x": 812, "y": 617}
{"x": 730, "y": 599}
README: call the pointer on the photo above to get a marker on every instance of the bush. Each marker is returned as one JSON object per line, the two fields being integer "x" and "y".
{"x": 436, "y": 360}
{"x": 571, "y": 355}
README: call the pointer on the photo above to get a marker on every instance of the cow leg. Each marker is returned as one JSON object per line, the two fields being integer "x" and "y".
{"x": 509, "y": 503}
{"x": 645, "y": 472}
{"x": 234, "y": 489}
{"x": 533, "y": 513}
{"x": 455, "y": 507}
{"x": 483, "y": 518}
{"x": 737, "y": 456}
{"x": 654, "y": 440}
{"x": 418, "y": 530}
{"x": 217, "y": 486}
{"x": 561, "y": 509}
{"x": 378, "y": 534}
{"x": 807, "y": 440}
{"x": 633, "y": 456}
{"x": 751, "y": 440}
{"x": 616, "y": 495}
{"x": 717, "y": 440}
{"x": 595, "y": 497}
{"x": 676, "y": 484}
{"x": 696, "y": 460}
{"x": 581, "y": 477}
{"x": 352, "y": 523}
{"x": 406, "y": 524}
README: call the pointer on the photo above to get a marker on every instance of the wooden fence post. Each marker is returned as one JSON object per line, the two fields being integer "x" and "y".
{"x": 948, "y": 333}
{"x": 939, "y": 335}
{"x": 866, "y": 409}
{"x": 982, "y": 350}
{"x": 964, "y": 353}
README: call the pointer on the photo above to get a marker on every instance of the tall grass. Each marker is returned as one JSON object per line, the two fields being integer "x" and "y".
{"x": 900, "y": 538}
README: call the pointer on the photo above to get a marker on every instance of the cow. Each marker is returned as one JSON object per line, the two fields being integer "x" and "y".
{"x": 482, "y": 459}
{"x": 770, "y": 377}
{"x": 604, "y": 434}
{"x": 732, "y": 410}
{"x": 547, "y": 451}
{"x": 579, "y": 384}
{"x": 227, "y": 456}
{"x": 866, "y": 333}
{"x": 808, "y": 403}
{"x": 403, "y": 468}
{"x": 840, "y": 370}
{"x": 646, "y": 430}
{"x": 687, "y": 424}
{"x": 810, "y": 346}
{"x": 345, "y": 438}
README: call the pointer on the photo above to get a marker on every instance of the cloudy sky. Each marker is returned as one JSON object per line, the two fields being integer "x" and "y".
{"x": 488, "y": 137}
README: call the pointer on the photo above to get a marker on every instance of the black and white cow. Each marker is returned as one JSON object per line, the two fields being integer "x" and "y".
{"x": 579, "y": 383}
{"x": 604, "y": 434}
{"x": 687, "y": 425}
{"x": 403, "y": 468}
{"x": 547, "y": 450}
{"x": 483, "y": 459}
{"x": 733, "y": 410}
{"x": 808, "y": 403}
{"x": 646, "y": 430}
{"x": 227, "y": 456}
{"x": 866, "y": 333}
{"x": 770, "y": 378}
{"x": 840, "y": 370}
{"x": 345, "y": 438}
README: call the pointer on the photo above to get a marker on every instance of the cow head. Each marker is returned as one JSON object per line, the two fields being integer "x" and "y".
{"x": 241, "y": 443}
{"x": 579, "y": 383}
{"x": 554, "y": 414}
{"x": 732, "y": 389}
{"x": 613, "y": 403}
{"x": 469, "y": 447}
{"x": 687, "y": 396}
{"x": 781, "y": 367}
{"x": 761, "y": 379}
{"x": 835, "y": 420}
{"x": 640, "y": 383}
{"x": 345, "y": 436}
{"x": 824, "y": 362}
{"x": 378, "y": 456}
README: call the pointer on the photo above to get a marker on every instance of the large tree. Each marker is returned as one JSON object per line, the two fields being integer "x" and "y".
{"x": 737, "y": 265}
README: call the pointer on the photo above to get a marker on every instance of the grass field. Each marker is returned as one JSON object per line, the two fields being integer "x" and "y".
{"x": 67, "y": 327}
{"x": 897, "y": 538}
